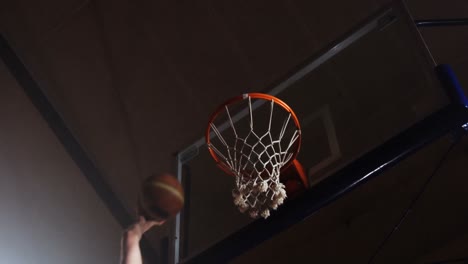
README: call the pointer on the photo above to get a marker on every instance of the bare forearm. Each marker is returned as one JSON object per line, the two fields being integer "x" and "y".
{"x": 130, "y": 243}
{"x": 130, "y": 250}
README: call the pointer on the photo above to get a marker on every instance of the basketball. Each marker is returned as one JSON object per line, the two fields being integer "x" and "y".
{"x": 161, "y": 197}
{"x": 295, "y": 179}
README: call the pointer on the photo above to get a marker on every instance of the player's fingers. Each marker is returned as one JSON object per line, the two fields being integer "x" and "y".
{"x": 150, "y": 224}
{"x": 147, "y": 226}
{"x": 160, "y": 222}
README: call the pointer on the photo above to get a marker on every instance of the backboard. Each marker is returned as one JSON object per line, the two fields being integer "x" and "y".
{"x": 370, "y": 85}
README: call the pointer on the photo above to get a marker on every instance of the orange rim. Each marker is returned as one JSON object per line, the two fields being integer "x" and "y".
{"x": 263, "y": 96}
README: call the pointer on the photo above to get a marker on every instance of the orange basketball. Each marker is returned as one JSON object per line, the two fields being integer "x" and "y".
{"x": 295, "y": 179}
{"x": 161, "y": 197}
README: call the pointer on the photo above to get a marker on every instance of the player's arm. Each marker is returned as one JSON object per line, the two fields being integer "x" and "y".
{"x": 130, "y": 243}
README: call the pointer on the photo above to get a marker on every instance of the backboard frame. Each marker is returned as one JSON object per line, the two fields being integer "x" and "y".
{"x": 381, "y": 20}
{"x": 342, "y": 181}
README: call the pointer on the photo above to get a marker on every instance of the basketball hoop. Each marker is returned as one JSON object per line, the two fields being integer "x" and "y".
{"x": 255, "y": 151}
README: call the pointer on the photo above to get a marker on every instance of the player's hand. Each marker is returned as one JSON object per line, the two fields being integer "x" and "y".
{"x": 134, "y": 233}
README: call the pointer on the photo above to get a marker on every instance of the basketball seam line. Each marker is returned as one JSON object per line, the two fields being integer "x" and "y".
{"x": 170, "y": 189}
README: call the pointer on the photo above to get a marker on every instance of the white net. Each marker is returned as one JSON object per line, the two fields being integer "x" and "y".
{"x": 256, "y": 158}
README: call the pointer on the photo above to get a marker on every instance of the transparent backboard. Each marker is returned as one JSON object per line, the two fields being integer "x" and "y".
{"x": 373, "y": 84}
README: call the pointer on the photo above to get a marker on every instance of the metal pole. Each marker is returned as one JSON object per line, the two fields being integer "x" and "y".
{"x": 442, "y": 22}
{"x": 176, "y": 238}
